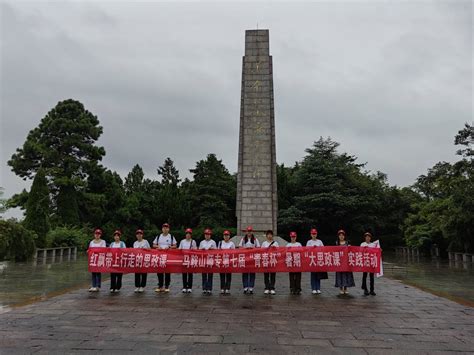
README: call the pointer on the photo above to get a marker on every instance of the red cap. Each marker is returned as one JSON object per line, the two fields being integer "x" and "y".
{"x": 117, "y": 232}
{"x": 341, "y": 231}
{"x": 188, "y": 230}
{"x": 249, "y": 229}
{"x": 165, "y": 225}
{"x": 98, "y": 231}
{"x": 367, "y": 234}
{"x": 207, "y": 231}
{"x": 292, "y": 234}
{"x": 314, "y": 231}
{"x": 226, "y": 232}
{"x": 139, "y": 231}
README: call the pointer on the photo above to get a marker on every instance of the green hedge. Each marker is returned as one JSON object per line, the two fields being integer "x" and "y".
{"x": 68, "y": 236}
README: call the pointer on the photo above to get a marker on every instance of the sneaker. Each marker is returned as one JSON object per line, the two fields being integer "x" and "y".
{"x": 372, "y": 293}
{"x": 366, "y": 293}
{"x": 209, "y": 292}
{"x": 222, "y": 291}
{"x": 112, "y": 290}
{"x": 341, "y": 292}
{"x": 250, "y": 290}
{"x": 141, "y": 289}
{"x": 204, "y": 292}
{"x": 158, "y": 289}
{"x": 184, "y": 290}
{"x": 137, "y": 289}
{"x": 346, "y": 292}
{"x": 227, "y": 292}
{"x": 272, "y": 292}
{"x": 266, "y": 292}
{"x": 314, "y": 292}
{"x": 97, "y": 289}
{"x": 246, "y": 290}
{"x": 91, "y": 289}
{"x": 117, "y": 291}
{"x": 318, "y": 291}
{"x": 190, "y": 290}
{"x": 166, "y": 290}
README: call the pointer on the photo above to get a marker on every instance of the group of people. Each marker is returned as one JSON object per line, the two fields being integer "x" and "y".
{"x": 166, "y": 241}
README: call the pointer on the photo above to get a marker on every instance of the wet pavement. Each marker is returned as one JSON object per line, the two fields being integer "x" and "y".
{"x": 401, "y": 319}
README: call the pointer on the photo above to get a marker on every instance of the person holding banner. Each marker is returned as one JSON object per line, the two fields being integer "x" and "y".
{"x": 249, "y": 241}
{"x": 97, "y": 242}
{"x": 207, "y": 244}
{"x": 343, "y": 279}
{"x": 295, "y": 277}
{"x": 269, "y": 277}
{"x": 368, "y": 244}
{"x": 226, "y": 278}
{"x": 164, "y": 241}
{"x": 188, "y": 244}
{"x": 116, "y": 278}
{"x": 140, "y": 278}
{"x": 316, "y": 277}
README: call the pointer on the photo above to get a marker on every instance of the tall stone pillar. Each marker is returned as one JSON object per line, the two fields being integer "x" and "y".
{"x": 256, "y": 176}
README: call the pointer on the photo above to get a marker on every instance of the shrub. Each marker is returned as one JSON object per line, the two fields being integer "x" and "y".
{"x": 16, "y": 242}
{"x": 68, "y": 236}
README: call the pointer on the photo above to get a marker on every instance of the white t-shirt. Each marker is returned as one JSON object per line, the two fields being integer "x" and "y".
{"x": 141, "y": 245}
{"x": 207, "y": 244}
{"x": 293, "y": 245}
{"x": 226, "y": 245}
{"x": 314, "y": 243}
{"x": 370, "y": 245}
{"x": 101, "y": 244}
{"x": 249, "y": 244}
{"x": 164, "y": 242}
{"x": 187, "y": 244}
{"x": 117, "y": 245}
{"x": 266, "y": 244}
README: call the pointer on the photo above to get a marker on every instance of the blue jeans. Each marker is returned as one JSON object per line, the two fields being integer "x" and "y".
{"x": 315, "y": 282}
{"x": 248, "y": 280}
{"x": 207, "y": 282}
{"x": 96, "y": 278}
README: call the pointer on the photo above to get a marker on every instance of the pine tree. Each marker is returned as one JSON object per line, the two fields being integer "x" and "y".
{"x": 38, "y": 208}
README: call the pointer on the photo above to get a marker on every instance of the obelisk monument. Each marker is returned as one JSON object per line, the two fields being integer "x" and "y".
{"x": 256, "y": 176}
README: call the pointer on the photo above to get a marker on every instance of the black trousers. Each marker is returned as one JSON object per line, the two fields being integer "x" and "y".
{"x": 226, "y": 279}
{"x": 188, "y": 280}
{"x": 164, "y": 280}
{"x": 116, "y": 281}
{"x": 140, "y": 280}
{"x": 269, "y": 279}
{"x": 295, "y": 281}
{"x": 364, "y": 281}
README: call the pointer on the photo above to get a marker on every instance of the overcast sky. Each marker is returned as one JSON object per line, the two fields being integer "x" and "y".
{"x": 391, "y": 81}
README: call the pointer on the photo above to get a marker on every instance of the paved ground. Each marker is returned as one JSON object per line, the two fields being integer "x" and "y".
{"x": 400, "y": 319}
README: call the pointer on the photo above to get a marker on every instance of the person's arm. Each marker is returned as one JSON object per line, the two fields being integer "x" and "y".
{"x": 155, "y": 243}
{"x": 173, "y": 243}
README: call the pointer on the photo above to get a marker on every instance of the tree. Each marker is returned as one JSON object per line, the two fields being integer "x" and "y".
{"x": 465, "y": 137}
{"x": 134, "y": 180}
{"x": 169, "y": 174}
{"x": 213, "y": 193}
{"x": 64, "y": 146}
{"x": 38, "y": 208}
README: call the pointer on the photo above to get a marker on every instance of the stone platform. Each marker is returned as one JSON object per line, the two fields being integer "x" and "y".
{"x": 399, "y": 320}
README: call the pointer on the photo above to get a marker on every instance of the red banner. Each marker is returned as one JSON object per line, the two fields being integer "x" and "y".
{"x": 126, "y": 260}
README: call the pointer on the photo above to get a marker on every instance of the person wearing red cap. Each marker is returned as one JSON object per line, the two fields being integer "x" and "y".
{"x": 116, "y": 278}
{"x": 140, "y": 278}
{"x": 207, "y": 244}
{"x": 316, "y": 277}
{"x": 97, "y": 242}
{"x": 164, "y": 241}
{"x": 188, "y": 244}
{"x": 269, "y": 277}
{"x": 249, "y": 241}
{"x": 226, "y": 278}
{"x": 295, "y": 277}
{"x": 343, "y": 279}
